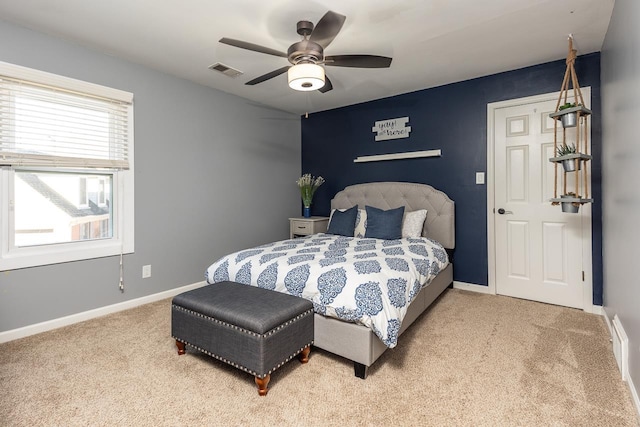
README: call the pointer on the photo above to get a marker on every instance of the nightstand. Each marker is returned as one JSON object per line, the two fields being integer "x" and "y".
{"x": 301, "y": 226}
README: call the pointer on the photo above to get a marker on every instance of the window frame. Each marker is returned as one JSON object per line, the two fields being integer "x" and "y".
{"x": 123, "y": 213}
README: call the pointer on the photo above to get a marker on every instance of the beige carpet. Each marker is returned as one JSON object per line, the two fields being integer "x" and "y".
{"x": 471, "y": 360}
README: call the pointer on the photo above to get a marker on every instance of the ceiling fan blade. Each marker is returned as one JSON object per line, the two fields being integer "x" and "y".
{"x": 268, "y": 76}
{"x": 327, "y": 85}
{"x": 327, "y": 28}
{"x": 358, "y": 61}
{"x": 251, "y": 46}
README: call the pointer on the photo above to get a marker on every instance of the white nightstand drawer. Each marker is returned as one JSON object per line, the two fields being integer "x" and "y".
{"x": 302, "y": 227}
{"x": 306, "y": 226}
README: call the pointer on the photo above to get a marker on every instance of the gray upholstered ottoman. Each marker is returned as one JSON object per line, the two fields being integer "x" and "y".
{"x": 254, "y": 329}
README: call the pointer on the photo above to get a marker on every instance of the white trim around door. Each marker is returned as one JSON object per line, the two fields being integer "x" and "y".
{"x": 490, "y": 180}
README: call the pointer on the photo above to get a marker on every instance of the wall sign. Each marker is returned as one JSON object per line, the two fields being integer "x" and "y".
{"x": 391, "y": 129}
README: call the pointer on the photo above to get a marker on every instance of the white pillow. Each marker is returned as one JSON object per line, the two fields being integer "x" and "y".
{"x": 413, "y": 222}
{"x": 361, "y": 222}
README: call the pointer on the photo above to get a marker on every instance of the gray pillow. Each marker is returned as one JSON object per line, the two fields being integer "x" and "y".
{"x": 343, "y": 223}
{"x": 383, "y": 224}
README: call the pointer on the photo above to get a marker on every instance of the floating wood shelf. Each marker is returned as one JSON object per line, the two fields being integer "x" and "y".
{"x": 398, "y": 156}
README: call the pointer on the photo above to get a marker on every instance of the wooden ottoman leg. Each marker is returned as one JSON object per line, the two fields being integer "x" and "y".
{"x": 304, "y": 355}
{"x": 262, "y": 385}
{"x": 180, "y": 346}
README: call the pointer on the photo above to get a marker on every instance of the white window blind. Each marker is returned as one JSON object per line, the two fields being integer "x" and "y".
{"x": 46, "y": 125}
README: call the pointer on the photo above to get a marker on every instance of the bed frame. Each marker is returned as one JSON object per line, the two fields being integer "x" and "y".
{"x": 356, "y": 342}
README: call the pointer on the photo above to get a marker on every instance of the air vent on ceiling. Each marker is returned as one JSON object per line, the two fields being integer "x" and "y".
{"x": 225, "y": 69}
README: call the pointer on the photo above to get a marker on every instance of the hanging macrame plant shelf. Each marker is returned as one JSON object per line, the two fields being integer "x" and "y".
{"x": 569, "y": 116}
{"x": 573, "y": 117}
{"x": 570, "y": 203}
{"x": 571, "y": 162}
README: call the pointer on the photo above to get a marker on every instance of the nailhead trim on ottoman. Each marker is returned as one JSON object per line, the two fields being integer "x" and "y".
{"x": 253, "y": 329}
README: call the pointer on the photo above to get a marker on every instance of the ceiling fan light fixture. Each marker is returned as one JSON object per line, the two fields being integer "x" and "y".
{"x": 306, "y": 77}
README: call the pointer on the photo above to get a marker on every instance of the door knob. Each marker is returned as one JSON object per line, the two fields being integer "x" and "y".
{"x": 502, "y": 211}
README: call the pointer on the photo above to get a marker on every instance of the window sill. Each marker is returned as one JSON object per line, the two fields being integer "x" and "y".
{"x": 56, "y": 254}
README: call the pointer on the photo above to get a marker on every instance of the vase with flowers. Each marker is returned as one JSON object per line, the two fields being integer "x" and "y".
{"x": 308, "y": 185}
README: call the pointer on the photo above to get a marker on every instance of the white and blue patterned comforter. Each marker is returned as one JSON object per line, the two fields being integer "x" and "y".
{"x": 366, "y": 281}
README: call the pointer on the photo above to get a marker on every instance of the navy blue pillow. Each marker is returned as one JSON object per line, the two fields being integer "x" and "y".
{"x": 343, "y": 223}
{"x": 384, "y": 224}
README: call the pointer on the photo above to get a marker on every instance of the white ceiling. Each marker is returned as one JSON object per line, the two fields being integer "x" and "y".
{"x": 432, "y": 42}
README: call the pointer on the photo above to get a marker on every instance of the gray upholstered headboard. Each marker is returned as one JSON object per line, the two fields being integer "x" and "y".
{"x": 440, "y": 222}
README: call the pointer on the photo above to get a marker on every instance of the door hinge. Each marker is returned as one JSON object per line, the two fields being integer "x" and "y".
{"x": 583, "y": 275}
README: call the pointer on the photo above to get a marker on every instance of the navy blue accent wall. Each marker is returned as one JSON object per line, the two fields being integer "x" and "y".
{"x": 452, "y": 118}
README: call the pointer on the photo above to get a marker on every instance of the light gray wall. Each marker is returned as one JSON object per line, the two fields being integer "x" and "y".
{"x": 620, "y": 62}
{"x": 213, "y": 174}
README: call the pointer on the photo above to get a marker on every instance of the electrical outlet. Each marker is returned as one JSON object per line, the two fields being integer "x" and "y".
{"x": 146, "y": 271}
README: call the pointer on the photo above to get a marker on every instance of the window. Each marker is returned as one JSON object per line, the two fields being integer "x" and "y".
{"x": 49, "y": 201}
{"x": 66, "y": 178}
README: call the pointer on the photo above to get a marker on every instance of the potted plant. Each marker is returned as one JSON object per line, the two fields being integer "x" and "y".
{"x": 569, "y": 120}
{"x": 570, "y": 206}
{"x": 308, "y": 185}
{"x": 569, "y": 165}
{"x": 567, "y": 105}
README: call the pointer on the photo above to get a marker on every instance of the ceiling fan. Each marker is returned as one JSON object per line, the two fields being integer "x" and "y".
{"x": 306, "y": 56}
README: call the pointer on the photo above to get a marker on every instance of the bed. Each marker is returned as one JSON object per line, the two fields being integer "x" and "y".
{"x": 363, "y": 329}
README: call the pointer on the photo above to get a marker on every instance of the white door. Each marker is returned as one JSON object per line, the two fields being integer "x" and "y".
{"x": 540, "y": 251}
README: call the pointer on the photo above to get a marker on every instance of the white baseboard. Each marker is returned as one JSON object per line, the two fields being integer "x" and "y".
{"x": 607, "y": 320}
{"x": 627, "y": 378}
{"x": 597, "y": 309}
{"x": 471, "y": 287}
{"x": 634, "y": 394}
{"x": 26, "y": 331}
